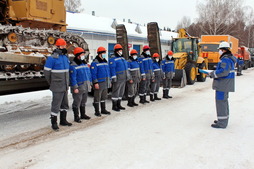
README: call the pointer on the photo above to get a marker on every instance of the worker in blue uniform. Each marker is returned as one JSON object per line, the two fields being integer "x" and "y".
{"x": 132, "y": 85}
{"x": 155, "y": 85}
{"x": 80, "y": 83}
{"x": 119, "y": 76}
{"x": 147, "y": 76}
{"x": 223, "y": 83}
{"x": 168, "y": 68}
{"x": 56, "y": 71}
{"x": 101, "y": 81}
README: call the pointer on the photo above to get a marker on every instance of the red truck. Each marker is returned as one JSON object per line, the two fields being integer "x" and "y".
{"x": 244, "y": 53}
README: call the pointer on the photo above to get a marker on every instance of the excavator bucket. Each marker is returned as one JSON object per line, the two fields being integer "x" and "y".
{"x": 122, "y": 39}
{"x": 180, "y": 80}
{"x": 154, "y": 38}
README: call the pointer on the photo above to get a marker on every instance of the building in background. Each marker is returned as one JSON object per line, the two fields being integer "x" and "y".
{"x": 100, "y": 31}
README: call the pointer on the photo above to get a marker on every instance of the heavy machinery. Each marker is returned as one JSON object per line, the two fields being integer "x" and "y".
{"x": 153, "y": 37}
{"x": 244, "y": 53}
{"x": 251, "y": 50}
{"x": 28, "y": 30}
{"x": 122, "y": 39}
{"x": 187, "y": 60}
{"x": 209, "y": 47}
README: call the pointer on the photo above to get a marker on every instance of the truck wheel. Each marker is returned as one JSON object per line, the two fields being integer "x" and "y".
{"x": 190, "y": 70}
{"x": 202, "y": 76}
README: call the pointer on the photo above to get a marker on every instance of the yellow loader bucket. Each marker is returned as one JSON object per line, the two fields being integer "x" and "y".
{"x": 180, "y": 79}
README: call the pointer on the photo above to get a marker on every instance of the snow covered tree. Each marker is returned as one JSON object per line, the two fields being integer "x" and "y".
{"x": 73, "y": 5}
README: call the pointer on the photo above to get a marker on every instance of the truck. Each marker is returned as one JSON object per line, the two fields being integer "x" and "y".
{"x": 251, "y": 50}
{"x": 187, "y": 60}
{"x": 28, "y": 31}
{"x": 209, "y": 47}
{"x": 244, "y": 53}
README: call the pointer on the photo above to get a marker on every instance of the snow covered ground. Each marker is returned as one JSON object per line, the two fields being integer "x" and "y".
{"x": 167, "y": 134}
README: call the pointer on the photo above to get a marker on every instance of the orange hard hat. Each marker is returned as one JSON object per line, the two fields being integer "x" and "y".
{"x": 156, "y": 55}
{"x": 78, "y": 50}
{"x": 133, "y": 51}
{"x": 170, "y": 53}
{"x": 60, "y": 42}
{"x": 146, "y": 47}
{"x": 117, "y": 47}
{"x": 101, "y": 49}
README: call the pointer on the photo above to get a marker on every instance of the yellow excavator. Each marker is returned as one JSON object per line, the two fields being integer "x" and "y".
{"x": 187, "y": 60}
{"x": 28, "y": 30}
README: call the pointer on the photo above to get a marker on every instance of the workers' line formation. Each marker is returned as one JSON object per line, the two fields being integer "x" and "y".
{"x": 142, "y": 74}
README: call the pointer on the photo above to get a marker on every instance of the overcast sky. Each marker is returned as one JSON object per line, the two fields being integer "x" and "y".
{"x": 166, "y": 12}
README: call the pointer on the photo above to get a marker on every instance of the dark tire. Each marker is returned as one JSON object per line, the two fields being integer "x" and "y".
{"x": 190, "y": 70}
{"x": 245, "y": 65}
{"x": 202, "y": 76}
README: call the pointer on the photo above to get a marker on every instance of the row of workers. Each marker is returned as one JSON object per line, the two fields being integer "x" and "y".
{"x": 142, "y": 75}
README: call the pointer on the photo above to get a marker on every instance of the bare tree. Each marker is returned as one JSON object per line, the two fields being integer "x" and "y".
{"x": 249, "y": 19}
{"x": 219, "y": 16}
{"x": 73, "y": 5}
{"x": 184, "y": 23}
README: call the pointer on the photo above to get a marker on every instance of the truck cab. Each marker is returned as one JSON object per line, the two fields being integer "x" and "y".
{"x": 210, "y": 50}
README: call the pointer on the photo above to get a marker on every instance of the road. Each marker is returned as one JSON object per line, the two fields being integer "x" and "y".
{"x": 166, "y": 134}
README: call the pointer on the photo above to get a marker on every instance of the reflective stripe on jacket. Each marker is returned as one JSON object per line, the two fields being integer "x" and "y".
{"x": 80, "y": 76}
{"x": 118, "y": 68}
{"x": 56, "y": 71}
{"x": 100, "y": 70}
{"x": 224, "y": 75}
{"x": 134, "y": 70}
{"x": 146, "y": 63}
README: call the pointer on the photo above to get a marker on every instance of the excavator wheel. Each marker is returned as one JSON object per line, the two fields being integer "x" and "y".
{"x": 190, "y": 70}
{"x": 202, "y": 76}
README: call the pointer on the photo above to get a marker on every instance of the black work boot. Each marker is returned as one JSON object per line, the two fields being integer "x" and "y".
{"x": 103, "y": 109}
{"x": 96, "y": 108}
{"x": 156, "y": 97}
{"x": 83, "y": 113}
{"x": 114, "y": 106}
{"x": 133, "y": 101}
{"x": 151, "y": 98}
{"x": 54, "y": 122}
{"x": 165, "y": 94}
{"x": 119, "y": 105}
{"x": 168, "y": 95}
{"x": 142, "y": 99}
{"x": 130, "y": 102}
{"x": 146, "y": 100}
{"x": 216, "y": 125}
{"x": 76, "y": 115}
{"x": 63, "y": 120}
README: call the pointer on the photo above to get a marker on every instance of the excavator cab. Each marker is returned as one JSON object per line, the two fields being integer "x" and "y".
{"x": 187, "y": 60}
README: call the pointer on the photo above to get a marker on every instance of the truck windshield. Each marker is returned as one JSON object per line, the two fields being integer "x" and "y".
{"x": 209, "y": 47}
{"x": 251, "y": 51}
{"x": 182, "y": 45}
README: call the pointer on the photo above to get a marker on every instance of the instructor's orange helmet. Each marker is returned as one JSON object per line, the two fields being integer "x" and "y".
{"x": 60, "y": 42}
